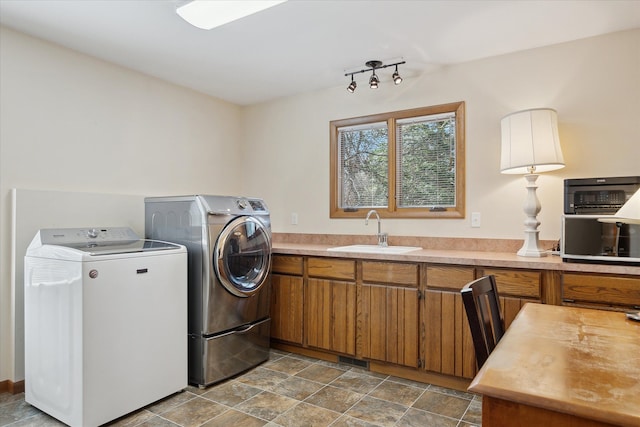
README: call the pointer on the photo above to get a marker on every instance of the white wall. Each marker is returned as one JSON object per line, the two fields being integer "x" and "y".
{"x": 71, "y": 123}
{"x": 594, "y": 85}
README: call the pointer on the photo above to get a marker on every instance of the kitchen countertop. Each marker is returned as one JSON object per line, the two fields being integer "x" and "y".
{"x": 459, "y": 257}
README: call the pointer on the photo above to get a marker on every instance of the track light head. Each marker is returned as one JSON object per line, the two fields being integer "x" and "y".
{"x": 352, "y": 86}
{"x": 396, "y": 77}
{"x": 373, "y": 81}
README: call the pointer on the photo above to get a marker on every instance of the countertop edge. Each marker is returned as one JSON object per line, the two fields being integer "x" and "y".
{"x": 456, "y": 257}
{"x": 592, "y": 412}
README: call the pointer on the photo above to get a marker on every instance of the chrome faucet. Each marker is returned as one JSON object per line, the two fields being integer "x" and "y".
{"x": 382, "y": 237}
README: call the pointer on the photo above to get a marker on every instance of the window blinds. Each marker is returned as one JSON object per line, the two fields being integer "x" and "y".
{"x": 425, "y": 161}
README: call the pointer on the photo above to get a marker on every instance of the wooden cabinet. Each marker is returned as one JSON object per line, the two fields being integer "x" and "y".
{"x": 448, "y": 343}
{"x": 388, "y": 302}
{"x": 407, "y": 318}
{"x": 601, "y": 291}
{"x": 287, "y": 293}
{"x": 330, "y": 305}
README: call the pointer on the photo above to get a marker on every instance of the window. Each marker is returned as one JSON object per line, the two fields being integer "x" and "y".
{"x": 405, "y": 164}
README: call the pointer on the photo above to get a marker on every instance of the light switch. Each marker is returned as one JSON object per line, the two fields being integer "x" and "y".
{"x": 294, "y": 218}
{"x": 475, "y": 219}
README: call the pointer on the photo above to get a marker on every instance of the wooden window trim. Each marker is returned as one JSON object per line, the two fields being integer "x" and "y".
{"x": 392, "y": 211}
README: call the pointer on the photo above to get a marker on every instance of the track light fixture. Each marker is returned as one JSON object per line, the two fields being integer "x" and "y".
{"x": 374, "y": 80}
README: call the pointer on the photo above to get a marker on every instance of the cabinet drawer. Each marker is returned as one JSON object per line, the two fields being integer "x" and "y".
{"x": 390, "y": 272}
{"x": 449, "y": 277}
{"x": 287, "y": 264}
{"x": 601, "y": 289}
{"x": 332, "y": 268}
{"x": 515, "y": 282}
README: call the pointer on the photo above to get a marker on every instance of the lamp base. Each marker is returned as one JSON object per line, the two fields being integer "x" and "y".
{"x": 531, "y": 246}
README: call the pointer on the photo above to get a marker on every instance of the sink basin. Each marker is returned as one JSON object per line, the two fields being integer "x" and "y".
{"x": 375, "y": 249}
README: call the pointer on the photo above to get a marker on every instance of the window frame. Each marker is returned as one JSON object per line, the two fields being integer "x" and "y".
{"x": 392, "y": 210}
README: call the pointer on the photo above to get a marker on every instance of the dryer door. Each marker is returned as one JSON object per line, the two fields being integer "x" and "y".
{"x": 242, "y": 256}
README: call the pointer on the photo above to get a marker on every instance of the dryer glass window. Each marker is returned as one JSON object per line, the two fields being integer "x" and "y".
{"x": 244, "y": 252}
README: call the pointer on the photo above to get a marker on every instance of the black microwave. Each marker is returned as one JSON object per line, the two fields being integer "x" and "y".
{"x": 587, "y": 239}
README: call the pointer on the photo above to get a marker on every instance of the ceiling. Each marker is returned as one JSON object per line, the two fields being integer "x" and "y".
{"x": 303, "y": 45}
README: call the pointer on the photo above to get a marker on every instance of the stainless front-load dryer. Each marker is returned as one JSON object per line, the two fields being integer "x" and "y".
{"x": 228, "y": 240}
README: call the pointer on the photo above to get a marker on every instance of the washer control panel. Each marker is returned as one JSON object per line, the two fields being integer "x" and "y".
{"x": 74, "y": 236}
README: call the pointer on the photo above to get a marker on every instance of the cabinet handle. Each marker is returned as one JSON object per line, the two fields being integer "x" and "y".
{"x": 568, "y": 300}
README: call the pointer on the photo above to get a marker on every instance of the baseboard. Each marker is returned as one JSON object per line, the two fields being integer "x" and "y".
{"x": 419, "y": 375}
{"x": 305, "y": 351}
{"x": 414, "y": 374}
{"x": 11, "y": 387}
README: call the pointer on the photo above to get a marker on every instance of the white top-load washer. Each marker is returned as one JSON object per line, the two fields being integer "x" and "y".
{"x": 105, "y": 323}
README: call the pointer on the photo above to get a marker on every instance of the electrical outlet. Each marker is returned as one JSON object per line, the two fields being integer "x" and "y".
{"x": 294, "y": 218}
{"x": 475, "y": 219}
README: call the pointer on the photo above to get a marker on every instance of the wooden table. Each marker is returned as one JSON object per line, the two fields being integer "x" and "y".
{"x": 563, "y": 366}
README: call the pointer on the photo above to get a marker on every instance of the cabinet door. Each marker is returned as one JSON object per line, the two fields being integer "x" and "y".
{"x": 330, "y": 313}
{"x": 390, "y": 324}
{"x": 388, "y": 328}
{"x": 286, "y": 308}
{"x": 449, "y": 347}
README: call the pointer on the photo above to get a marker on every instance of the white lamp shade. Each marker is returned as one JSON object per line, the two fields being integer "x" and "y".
{"x": 629, "y": 213}
{"x": 530, "y": 142}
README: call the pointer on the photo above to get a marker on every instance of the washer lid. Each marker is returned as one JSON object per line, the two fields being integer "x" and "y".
{"x": 111, "y": 248}
{"x": 99, "y": 241}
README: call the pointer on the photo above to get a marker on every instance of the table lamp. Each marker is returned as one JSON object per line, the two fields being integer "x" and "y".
{"x": 629, "y": 213}
{"x": 530, "y": 144}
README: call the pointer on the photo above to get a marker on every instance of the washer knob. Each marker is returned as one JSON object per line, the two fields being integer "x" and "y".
{"x": 242, "y": 204}
{"x": 93, "y": 233}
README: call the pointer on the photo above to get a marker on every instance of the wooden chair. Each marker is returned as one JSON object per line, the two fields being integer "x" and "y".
{"x": 482, "y": 305}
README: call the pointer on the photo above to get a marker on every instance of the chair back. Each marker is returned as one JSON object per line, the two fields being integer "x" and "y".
{"x": 482, "y": 306}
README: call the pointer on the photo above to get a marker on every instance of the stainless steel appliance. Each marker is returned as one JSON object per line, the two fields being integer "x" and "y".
{"x": 105, "y": 323}
{"x": 228, "y": 240}
{"x": 585, "y": 237}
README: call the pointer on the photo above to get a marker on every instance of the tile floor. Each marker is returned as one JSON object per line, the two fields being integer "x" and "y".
{"x": 291, "y": 391}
